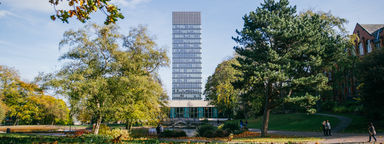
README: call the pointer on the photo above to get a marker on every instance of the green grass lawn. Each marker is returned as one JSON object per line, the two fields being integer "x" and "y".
{"x": 293, "y": 122}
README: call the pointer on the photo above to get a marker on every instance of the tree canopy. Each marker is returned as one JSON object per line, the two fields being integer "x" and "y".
{"x": 108, "y": 76}
{"x": 25, "y": 103}
{"x": 219, "y": 89}
{"x": 283, "y": 55}
{"x": 82, "y": 9}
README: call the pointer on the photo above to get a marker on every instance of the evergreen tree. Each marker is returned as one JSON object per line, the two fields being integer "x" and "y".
{"x": 283, "y": 55}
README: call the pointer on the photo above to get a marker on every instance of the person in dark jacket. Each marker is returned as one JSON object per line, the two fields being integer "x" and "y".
{"x": 371, "y": 131}
{"x": 323, "y": 128}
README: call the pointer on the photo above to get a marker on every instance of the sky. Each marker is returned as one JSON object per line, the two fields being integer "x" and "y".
{"x": 29, "y": 39}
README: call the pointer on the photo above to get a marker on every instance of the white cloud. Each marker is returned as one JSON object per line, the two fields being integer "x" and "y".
{"x": 4, "y": 13}
{"x": 130, "y": 4}
{"x": 35, "y": 5}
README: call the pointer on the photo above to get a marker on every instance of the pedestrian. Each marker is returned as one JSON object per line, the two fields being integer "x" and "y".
{"x": 158, "y": 130}
{"x": 328, "y": 128}
{"x": 371, "y": 131}
{"x": 246, "y": 124}
{"x": 323, "y": 128}
{"x": 241, "y": 124}
{"x": 161, "y": 128}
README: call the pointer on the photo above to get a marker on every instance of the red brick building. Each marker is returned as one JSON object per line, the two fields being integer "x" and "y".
{"x": 371, "y": 37}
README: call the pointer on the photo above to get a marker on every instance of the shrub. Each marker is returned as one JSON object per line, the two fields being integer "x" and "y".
{"x": 104, "y": 129}
{"x": 206, "y": 130}
{"x": 80, "y": 132}
{"x": 114, "y": 133}
{"x": 173, "y": 133}
{"x": 139, "y": 132}
{"x": 239, "y": 131}
{"x": 231, "y": 126}
{"x": 221, "y": 133}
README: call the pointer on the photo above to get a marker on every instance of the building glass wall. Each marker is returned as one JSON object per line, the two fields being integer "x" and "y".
{"x": 186, "y": 56}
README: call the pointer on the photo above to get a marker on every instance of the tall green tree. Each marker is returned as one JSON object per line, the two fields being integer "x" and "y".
{"x": 219, "y": 89}
{"x": 283, "y": 55}
{"x": 371, "y": 79}
{"x": 105, "y": 78}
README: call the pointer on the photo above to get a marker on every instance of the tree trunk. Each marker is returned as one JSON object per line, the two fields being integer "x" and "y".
{"x": 264, "y": 128}
{"x": 97, "y": 127}
{"x": 128, "y": 125}
{"x": 16, "y": 122}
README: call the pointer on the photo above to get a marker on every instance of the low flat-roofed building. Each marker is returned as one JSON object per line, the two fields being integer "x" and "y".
{"x": 192, "y": 109}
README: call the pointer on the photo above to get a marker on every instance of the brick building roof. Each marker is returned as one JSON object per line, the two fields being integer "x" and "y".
{"x": 370, "y": 28}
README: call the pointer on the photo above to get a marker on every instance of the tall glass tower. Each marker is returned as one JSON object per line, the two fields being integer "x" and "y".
{"x": 186, "y": 56}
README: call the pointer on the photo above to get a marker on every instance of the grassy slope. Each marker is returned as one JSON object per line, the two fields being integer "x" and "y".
{"x": 293, "y": 122}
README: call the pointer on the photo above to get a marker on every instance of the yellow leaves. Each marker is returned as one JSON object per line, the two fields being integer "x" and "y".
{"x": 81, "y": 2}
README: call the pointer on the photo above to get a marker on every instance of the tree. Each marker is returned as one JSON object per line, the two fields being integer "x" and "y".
{"x": 83, "y": 8}
{"x": 51, "y": 110}
{"x": 106, "y": 79}
{"x": 143, "y": 98}
{"x": 219, "y": 89}
{"x": 26, "y": 102}
{"x": 283, "y": 55}
{"x": 371, "y": 78}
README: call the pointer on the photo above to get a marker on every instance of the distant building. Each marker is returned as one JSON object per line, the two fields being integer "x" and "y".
{"x": 186, "y": 56}
{"x": 371, "y": 37}
{"x": 187, "y": 103}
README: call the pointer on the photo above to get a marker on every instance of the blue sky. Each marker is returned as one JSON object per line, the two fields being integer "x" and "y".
{"x": 29, "y": 39}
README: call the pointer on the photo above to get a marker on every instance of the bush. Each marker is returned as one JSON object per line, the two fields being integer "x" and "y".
{"x": 104, "y": 129}
{"x": 221, "y": 133}
{"x": 139, "y": 132}
{"x": 173, "y": 133}
{"x": 231, "y": 126}
{"x": 206, "y": 130}
{"x": 239, "y": 131}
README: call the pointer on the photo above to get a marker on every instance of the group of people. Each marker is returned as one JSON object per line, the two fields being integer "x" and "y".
{"x": 243, "y": 125}
{"x": 326, "y": 126}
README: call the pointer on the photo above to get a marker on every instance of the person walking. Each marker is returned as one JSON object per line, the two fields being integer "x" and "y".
{"x": 241, "y": 124}
{"x": 371, "y": 131}
{"x": 328, "y": 128}
{"x": 323, "y": 128}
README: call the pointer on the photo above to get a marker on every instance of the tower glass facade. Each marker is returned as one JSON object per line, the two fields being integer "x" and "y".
{"x": 186, "y": 56}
